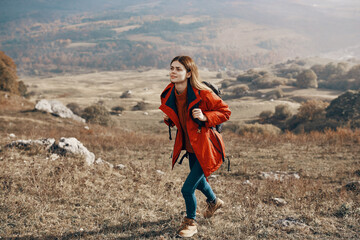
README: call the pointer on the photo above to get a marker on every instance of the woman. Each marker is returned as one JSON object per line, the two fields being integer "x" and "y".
{"x": 195, "y": 110}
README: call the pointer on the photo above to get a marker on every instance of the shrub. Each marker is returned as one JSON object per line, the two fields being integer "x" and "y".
{"x": 140, "y": 106}
{"x": 221, "y": 75}
{"x": 301, "y": 62}
{"x": 312, "y": 109}
{"x": 282, "y": 112}
{"x": 226, "y": 83}
{"x": 265, "y": 115}
{"x": 354, "y": 72}
{"x": 75, "y": 108}
{"x": 22, "y": 88}
{"x": 267, "y": 129}
{"x": 268, "y": 81}
{"x": 117, "y": 110}
{"x": 240, "y": 90}
{"x": 249, "y": 76}
{"x": 318, "y": 70}
{"x": 8, "y": 77}
{"x": 126, "y": 94}
{"x": 231, "y": 126}
{"x": 275, "y": 94}
{"x": 97, "y": 114}
{"x": 318, "y": 125}
{"x": 289, "y": 72}
{"x": 307, "y": 79}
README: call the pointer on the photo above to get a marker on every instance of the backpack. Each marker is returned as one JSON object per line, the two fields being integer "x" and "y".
{"x": 217, "y": 91}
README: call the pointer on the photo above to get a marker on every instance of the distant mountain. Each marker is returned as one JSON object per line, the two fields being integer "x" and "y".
{"x": 110, "y": 34}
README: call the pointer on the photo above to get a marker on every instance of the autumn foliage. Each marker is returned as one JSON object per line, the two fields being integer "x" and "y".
{"x": 8, "y": 77}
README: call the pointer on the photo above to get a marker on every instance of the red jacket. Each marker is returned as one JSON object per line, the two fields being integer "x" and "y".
{"x": 208, "y": 144}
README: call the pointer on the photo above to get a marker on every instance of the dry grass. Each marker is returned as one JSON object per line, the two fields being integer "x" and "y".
{"x": 66, "y": 199}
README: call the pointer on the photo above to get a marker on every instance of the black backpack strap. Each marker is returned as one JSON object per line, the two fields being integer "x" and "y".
{"x": 169, "y": 123}
{"x": 170, "y": 133}
{"x": 228, "y": 159}
{"x": 186, "y": 155}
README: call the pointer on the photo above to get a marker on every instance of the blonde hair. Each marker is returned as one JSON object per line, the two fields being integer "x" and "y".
{"x": 190, "y": 66}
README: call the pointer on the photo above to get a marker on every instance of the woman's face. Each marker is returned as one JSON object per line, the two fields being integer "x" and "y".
{"x": 178, "y": 73}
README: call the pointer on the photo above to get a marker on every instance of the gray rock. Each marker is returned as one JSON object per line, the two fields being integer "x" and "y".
{"x": 73, "y": 146}
{"x": 65, "y": 146}
{"x": 54, "y": 157}
{"x": 279, "y": 201}
{"x": 160, "y": 172}
{"x": 247, "y": 182}
{"x": 57, "y": 108}
{"x": 214, "y": 176}
{"x": 120, "y": 166}
{"x": 47, "y": 143}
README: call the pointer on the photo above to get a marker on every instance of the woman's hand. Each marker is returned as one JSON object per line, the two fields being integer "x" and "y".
{"x": 166, "y": 117}
{"x": 197, "y": 113}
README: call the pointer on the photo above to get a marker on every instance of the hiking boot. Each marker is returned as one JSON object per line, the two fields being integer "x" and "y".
{"x": 188, "y": 228}
{"x": 212, "y": 207}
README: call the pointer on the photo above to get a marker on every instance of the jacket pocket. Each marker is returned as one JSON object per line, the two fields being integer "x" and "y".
{"x": 216, "y": 142}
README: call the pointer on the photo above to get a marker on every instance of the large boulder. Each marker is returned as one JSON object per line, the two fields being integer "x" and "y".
{"x": 64, "y": 147}
{"x": 346, "y": 107}
{"x": 57, "y": 108}
{"x": 74, "y": 146}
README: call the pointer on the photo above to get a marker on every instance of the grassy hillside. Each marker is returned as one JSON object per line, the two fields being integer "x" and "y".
{"x": 42, "y": 197}
{"x": 66, "y": 199}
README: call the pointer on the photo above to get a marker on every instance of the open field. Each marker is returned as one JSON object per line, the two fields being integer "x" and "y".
{"x": 66, "y": 199}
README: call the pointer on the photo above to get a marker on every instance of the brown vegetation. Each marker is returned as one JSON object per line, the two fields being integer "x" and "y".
{"x": 65, "y": 199}
{"x": 307, "y": 79}
{"x": 8, "y": 77}
{"x": 97, "y": 114}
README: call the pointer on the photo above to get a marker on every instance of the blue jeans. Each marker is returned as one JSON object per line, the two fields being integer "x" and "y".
{"x": 195, "y": 180}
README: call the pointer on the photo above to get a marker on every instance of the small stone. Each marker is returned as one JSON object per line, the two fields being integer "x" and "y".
{"x": 99, "y": 161}
{"x": 11, "y": 135}
{"x": 160, "y": 172}
{"x": 247, "y": 182}
{"x": 213, "y": 176}
{"x": 87, "y": 127}
{"x": 54, "y": 157}
{"x": 146, "y": 113}
{"x": 279, "y": 201}
{"x": 119, "y": 166}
